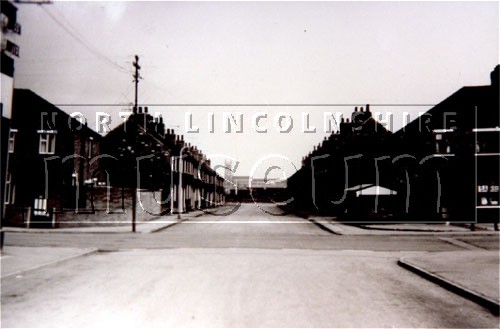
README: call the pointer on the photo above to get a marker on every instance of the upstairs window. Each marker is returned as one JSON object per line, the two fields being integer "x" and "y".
{"x": 47, "y": 142}
{"x": 12, "y": 140}
{"x": 90, "y": 147}
{"x": 8, "y": 189}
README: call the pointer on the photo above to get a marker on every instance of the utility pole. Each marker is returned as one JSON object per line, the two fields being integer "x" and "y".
{"x": 134, "y": 192}
{"x": 136, "y": 78}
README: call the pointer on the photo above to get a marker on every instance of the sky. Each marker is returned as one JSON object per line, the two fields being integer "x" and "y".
{"x": 392, "y": 55}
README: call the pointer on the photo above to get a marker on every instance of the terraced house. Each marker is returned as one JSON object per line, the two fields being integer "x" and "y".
{"x": 62, "y": 173}
{"x": 51, "y": 161}
{"x": 141, "y": 154}
{"x": 442, "y": 166}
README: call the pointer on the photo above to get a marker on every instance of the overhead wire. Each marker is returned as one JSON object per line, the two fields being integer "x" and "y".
{"x": 68, "y": 28}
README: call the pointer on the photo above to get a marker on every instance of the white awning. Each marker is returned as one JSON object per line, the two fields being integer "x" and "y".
{"x": 375, "y": 190}
{"x": 370, "y": 189}
{"x": 358, "y": 187}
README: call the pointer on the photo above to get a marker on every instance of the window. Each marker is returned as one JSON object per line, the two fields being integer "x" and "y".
{"x": 40, "y": 207}
{"x": 47, "y": 142}
{"x": 12, "y": 140}
{"x": 482, "y": 188}
{"x": 8, "y": 189}
{"x": 74, "y": 181}
{"x": 90, "y": 145}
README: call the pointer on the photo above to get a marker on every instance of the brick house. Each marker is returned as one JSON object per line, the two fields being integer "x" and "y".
{"x": 51, "y": 162}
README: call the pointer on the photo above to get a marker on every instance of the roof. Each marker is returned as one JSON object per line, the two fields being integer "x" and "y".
{"x": 459, "y": 109}
{"x": 26, "y": 104}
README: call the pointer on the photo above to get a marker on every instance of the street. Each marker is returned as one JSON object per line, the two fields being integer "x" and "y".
{"x": 249, "y": 269}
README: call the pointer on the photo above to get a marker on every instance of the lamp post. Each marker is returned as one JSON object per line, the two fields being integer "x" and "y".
{"x": 127, "y": 153}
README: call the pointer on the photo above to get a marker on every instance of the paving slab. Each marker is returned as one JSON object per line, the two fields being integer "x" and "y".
{"x": 17, "y": 260}
{"x": 473, "y": 274}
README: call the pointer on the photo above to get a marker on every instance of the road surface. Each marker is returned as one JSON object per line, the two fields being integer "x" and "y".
{"x": 250, "y": 269}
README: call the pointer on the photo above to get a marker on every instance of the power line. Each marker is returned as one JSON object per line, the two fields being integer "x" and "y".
{"x": 81, "y": 40}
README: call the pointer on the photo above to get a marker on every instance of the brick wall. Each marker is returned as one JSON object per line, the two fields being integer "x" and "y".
{"x": 112, "y": 207}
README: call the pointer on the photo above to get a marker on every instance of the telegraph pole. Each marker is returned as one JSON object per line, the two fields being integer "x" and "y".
{"x": 136, "y": 78}
{"x": 134, "y": 192}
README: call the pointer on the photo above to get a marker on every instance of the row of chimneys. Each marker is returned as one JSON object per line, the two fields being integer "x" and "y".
{"x": 345, "y": 126}
{"x": 156, "y": 124}
{"x": 361, "y": 108}
{"x": 139, "y": 109}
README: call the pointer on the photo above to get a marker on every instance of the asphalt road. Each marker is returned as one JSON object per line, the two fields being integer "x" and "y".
{"x": 249, "y": 269}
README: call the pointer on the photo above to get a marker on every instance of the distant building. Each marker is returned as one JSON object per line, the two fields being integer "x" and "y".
{"x": 50, "y": 163}
{"x": 246, "y": 189}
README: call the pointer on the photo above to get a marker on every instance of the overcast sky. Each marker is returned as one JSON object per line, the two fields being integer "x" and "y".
{"x": 267, "y": 53}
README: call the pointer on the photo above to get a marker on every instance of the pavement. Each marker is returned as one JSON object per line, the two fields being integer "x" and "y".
{"x": 333, "y": 226}
{"x": 458, "y": 272}
{"x": 15, "y": 261}
{"x": 152, "y": 226}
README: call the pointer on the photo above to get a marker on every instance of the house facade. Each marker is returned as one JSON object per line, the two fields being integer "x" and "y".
{"x": 9, "y": 51}
{"x": 141, "y": 154}
{"x": 353, "y": 156}
{"x": 443, "y": 166}
{"x": 454, "y": 172}
{"x": 50, "y": 163}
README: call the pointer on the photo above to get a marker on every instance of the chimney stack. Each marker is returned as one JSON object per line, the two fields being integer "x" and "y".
{"x": 494, "y": 76}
